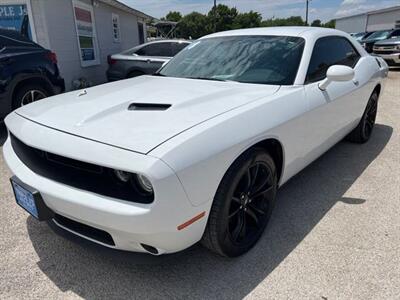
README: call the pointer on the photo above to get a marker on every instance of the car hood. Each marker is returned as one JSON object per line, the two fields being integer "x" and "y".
{"x": 392, "y": 41}
{"x": 101, "y": 113}
{"x": 373, "y": 40}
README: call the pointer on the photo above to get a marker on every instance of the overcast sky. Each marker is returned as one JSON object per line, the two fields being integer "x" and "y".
{"x": 319, "y": 9}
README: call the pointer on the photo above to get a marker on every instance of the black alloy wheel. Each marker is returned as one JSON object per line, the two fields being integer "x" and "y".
{"x": 242, "y": 205}
{"x": 370, "y": 116}
{"x": 363, "y": 131}
{"x": 250, "y": 203}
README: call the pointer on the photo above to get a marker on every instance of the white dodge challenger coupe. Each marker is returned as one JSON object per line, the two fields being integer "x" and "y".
{"x": 197, "y": 151}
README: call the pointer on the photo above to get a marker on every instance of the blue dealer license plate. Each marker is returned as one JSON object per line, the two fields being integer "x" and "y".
{"x": 25, "y": 199}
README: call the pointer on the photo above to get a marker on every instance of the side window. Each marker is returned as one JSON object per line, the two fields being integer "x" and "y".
{"x": 178, "y": 47}
{"x": 395, "y": 33}
{"x": 329, "y": 51}
{"x": 156, "y": 49}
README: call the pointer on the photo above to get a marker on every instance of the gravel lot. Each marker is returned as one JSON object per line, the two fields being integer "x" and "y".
{"x": 335, "y": 233}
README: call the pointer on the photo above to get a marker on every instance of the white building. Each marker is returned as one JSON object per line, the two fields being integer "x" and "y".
{"x": 388, "y": 18}
{"x": 81, "y": 32}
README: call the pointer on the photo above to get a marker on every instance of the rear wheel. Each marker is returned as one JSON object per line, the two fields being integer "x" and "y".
{"x": 242, "y": 205}
{"x": 363, "y": 131}
{"x": 28, "y": 94}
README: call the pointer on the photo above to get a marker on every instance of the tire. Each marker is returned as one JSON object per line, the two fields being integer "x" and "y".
{"x": 362, "y": 133}
{"x": 135, "y": 74}
{"x": 242, "y": 205}
{"x": 23, "y": 95}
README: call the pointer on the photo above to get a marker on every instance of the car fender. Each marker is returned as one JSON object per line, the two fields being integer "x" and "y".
{"x": 201, "y": 155}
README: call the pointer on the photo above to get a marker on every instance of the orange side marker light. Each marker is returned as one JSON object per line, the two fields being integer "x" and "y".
{"x": 191, "y": 221}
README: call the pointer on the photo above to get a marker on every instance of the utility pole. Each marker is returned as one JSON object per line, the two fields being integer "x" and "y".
{"x": 215, "y": 16}
{"x": 307, "y": 11}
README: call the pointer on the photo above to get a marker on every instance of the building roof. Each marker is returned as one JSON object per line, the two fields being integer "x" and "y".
{"x": 128, "y": 9}
{"x": 372, "y": 12}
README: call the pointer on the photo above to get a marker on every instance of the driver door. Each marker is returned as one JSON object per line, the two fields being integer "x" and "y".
{"x": 334, "y": 111}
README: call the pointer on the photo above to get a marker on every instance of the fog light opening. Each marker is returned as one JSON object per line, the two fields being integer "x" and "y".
{"x": 150, "y": 249}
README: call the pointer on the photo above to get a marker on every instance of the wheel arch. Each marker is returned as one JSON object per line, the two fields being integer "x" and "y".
{"x": 39, "y": 80}
{"x": 275, "y": 148}
{"x": 378, "y": 89}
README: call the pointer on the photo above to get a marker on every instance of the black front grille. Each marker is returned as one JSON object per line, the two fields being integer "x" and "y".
{"x": 75, "y": 173}
{"x": 85, "y": 230}
{"x": 384, "y": 52}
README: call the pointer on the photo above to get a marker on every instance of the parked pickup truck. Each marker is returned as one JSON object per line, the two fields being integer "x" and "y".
{"x": 389, "y": 50}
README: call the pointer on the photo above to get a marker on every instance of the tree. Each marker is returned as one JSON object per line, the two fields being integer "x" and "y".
{"x": 291, "y": 21}
{"x": 224, "y": 17}
{"x": 174, "y": 16}
{"x": 247, "y": 20}
{"x": 316, "y": 23}
{"x": 330, "y": 24}
{"x": 193, "y": 25}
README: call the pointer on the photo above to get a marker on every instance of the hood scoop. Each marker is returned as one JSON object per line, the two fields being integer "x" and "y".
{"x": 148, "y": 106}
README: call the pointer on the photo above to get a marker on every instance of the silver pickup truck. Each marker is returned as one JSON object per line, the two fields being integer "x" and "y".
{"x": 389, "y": 50}
{"x": 143, "y": 59}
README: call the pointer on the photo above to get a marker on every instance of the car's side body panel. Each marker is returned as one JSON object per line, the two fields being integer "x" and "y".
{"x": 304, "y": 119}
{"x": 127, "y": 65}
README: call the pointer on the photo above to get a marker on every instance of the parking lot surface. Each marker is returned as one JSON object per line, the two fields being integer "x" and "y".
{"x": 335, "y": 234}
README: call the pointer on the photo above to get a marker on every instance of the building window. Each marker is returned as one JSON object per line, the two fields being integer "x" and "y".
{"x": 86, "y": 34}
{"x": 17, "y": 15}
{"x": 115, "y": 28}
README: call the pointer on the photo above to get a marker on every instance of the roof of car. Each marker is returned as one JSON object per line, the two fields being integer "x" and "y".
{"x": 282, "y": 30}
{"x": 15, "y": 36}
{"x": 168, "y": 41}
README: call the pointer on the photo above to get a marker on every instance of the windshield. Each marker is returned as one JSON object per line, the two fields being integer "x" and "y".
{"x": 249, "y": 59}
{"x": 379, "y": 35}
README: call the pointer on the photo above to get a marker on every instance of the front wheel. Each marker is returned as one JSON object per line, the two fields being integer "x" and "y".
{"x": 242, "y": 205}
{"x": 362, "y": 133}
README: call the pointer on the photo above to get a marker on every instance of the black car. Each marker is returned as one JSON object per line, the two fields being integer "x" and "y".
{"x": 28, "y": 72}
{"x": 368, "y": 43}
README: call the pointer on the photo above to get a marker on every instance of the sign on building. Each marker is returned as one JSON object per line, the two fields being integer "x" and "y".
{"x": 86, "y": 34}
{"x": 16, "y": 17}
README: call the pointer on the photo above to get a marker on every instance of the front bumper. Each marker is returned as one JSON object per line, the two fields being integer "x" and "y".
{"x": 391, "y": 59}
{"x": 129, "y": 224}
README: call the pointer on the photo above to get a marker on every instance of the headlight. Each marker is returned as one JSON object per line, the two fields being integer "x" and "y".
{"x": 122, "y": 176}
{"x": 139, "y": 182}
{"x": 144, "y": 184}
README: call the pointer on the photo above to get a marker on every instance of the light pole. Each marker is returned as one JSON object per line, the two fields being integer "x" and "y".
{"x": 307, "y": 1}
{"x": 215, "y": 16}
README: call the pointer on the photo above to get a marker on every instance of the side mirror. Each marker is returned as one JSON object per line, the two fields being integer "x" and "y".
{"x": 337, "y": 73}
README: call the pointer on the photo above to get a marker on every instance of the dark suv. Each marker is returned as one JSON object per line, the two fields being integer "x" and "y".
{"x": 28, "y": 72}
